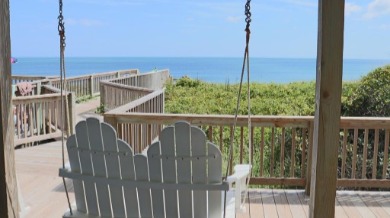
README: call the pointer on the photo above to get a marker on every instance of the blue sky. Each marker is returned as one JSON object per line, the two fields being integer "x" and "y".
{"x": 192, "y": 28}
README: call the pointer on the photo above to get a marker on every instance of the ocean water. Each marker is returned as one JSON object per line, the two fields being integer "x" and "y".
{"x": 217, "y": 70}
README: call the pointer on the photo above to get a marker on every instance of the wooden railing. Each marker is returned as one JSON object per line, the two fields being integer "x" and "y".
{"x": 117, "y": 92}
{"x": 114, "y": 95}
{"x": 38, "y": 118}
{"x": 364, "y": 152}
{"x": 281, "y": 146}
{"x": 88, "y": 85}
{"x": 38, "y": 114}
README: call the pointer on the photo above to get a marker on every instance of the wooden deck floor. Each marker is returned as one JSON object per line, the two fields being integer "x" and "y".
{"x": 43, "y": 193}
{"x": 294, "y": 203}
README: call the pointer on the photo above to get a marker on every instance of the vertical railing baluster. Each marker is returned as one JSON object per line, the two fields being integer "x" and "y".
{"x": 262, "y": 152}
{"x": 375, "y": 159}
{"x": 232, "y": 151}
{"x": 386, "y": 154}
{"x": 251, "y": 146}
{"x": 303, "y": 156}
{"x": 282, "y": 147}
{"x": 344, "y": 154}
{"x": 365, "y": 144}
{"x": 354, "y": 157}
{"x": 272, "y": 151}
{"x": 210, "y": 133}
{"x": 241, "y": 143}
{"x": 293, "y": 144}
{"x": 221, "y": 138}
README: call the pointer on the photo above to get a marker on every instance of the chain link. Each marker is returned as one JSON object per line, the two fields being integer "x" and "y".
{"x": 61, "y": 27}
{"x": 248, "y": 14}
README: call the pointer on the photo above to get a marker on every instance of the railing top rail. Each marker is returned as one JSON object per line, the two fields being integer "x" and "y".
{"x": 133, "y": 104}
{"x": 139, "y": 75}
{"x": 266, "y": 121}
{"x": 117, "y": 85}
{"x": 36, "y": 98}
{"x": 97, "y": 75}
{"x": 365, "y": 122}
{"x": 28, "y": 77}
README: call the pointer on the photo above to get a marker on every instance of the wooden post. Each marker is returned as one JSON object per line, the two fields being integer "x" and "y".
{"x": 91, "y": 84}
{"x": 72, "y": 112}
{"x": 9, "y": 204}
{"x": 328, "y": 104}
{"x": 102, "y": 95}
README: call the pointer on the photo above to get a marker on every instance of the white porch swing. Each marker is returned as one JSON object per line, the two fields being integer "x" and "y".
{"x": 180, "y": 175}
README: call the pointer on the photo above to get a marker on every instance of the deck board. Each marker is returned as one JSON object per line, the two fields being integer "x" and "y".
{"x": 373, "y": 205}
{"x": 41, "y": 190}
{"x": 296, "y": 207}
{"x": 281, "y": 203}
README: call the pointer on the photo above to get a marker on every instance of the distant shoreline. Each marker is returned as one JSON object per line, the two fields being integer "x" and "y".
{"x": 209, "y": 69}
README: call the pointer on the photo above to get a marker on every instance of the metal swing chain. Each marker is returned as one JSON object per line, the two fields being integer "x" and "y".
{"x": 61, "y": 32}
{"x": 248, "y": 20}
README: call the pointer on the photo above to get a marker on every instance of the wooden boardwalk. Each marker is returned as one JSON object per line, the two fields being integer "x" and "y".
{"x": 43, "y": 193}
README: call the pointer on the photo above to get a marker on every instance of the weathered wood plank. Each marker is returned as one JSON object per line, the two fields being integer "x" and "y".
{"x": 344, "y": 200}
{"x": 269, "y": 206}
{"x": 282, "y": 203}
{"x": 9, "y": 204}
{"x": 328, "y": 104}
{"x": 295, "y": 204}
{"x": 372, "y": 205}
{"x": 339, "y": 210}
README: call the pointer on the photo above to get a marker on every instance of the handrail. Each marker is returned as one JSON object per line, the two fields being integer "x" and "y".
{"x": 206, "y": 119}
{"x": 119, "y": 72}
{"x": 118, "y": 85}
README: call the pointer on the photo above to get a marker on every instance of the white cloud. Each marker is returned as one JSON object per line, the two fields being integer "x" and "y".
{"x": 83, "y": 22}
{"x": 378, "y": 8}
{"x": 234, "y": 19}
{"x": 351, "y": 8}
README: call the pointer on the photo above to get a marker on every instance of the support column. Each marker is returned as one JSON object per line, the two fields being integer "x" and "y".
{"x": 9, "y": 204}
{"x": 328, "y": 104}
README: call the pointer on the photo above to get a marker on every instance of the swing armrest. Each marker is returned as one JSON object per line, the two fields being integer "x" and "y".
{"x": 240, "y": 176}
{"x": 241, "y": 173}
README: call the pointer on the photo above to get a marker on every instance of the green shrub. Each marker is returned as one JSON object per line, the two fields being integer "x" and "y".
{"x": 371, "y": 96}
{"x": 188, "y": 82}
{"x": 194, "y": 96}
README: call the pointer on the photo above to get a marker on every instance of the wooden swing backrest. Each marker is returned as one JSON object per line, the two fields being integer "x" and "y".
{"x": 176, "y": 178}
